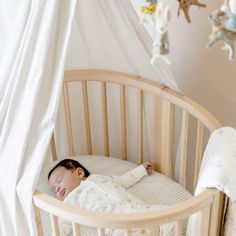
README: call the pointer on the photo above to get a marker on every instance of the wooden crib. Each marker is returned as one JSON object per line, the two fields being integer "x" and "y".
{"x": 180, "y": 130}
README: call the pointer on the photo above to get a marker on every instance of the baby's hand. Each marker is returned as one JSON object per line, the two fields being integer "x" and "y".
{"x": 148, "y": 167}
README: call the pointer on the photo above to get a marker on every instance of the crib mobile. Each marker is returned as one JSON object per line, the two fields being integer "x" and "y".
{"x": 157, "y": 14}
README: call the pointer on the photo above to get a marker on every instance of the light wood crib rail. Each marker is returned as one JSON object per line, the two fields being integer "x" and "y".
{"x": 176, "y": 117}
{"x": 206, "y": 204}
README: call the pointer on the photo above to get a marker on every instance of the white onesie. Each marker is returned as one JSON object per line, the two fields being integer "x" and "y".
{"x": 109, "y": 194}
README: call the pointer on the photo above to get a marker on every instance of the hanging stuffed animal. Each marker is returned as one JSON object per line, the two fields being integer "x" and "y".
{"x": 147, "y": 10}
{"x": 223, "y": 23}
{"x": 161, "y": 43}
{"x": 184, "y": 6}
{"x": 149, "y": 7}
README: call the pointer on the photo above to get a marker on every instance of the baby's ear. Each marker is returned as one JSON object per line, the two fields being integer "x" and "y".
{"x": 79, "y": 171}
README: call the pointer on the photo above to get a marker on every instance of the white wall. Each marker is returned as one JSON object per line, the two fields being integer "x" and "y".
{"x": 207, "y": 76}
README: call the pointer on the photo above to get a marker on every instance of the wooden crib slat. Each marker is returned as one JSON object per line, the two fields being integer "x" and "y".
{"x": 68, "y": 119}
{"x": 128, "y": 232}
{"x": 155, "y": 231}
{"x": 87, "y": 117}
{"x": 167, "y": 137}
{"x": 179, "y": 228}
{"x": 183, "y": 147}
{"x": 105, "y": 119}
{"x": 198, "y": 152}
{"x": 101, "y": 232}
{"x": 55, "y": 226}
{"x": 217, "y": 212}
{"x": 205, "y": 218}
{"x": 123, "y": 122}
{"x": 76, "y": 229}
{"x": 156, "y": 137}
{"x": 38, "y": 221}
{"x": 140, "y": 127}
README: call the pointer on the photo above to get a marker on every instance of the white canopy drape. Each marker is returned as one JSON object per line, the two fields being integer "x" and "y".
{"x": 108, "y": 35}
{"x": 30, "y": 77}
{"x": 105, "y": 35}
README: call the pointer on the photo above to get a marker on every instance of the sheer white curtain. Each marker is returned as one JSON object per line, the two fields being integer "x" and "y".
{"x": 31, "y": 70}
{"x": 33, "y": 45}
{"x": 107, "y": 35}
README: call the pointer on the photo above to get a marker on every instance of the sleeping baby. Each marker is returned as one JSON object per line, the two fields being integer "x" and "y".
{"x": 73, "y": 184}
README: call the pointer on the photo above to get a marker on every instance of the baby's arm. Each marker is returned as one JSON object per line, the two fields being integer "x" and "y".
{"x": 134, "y": 175}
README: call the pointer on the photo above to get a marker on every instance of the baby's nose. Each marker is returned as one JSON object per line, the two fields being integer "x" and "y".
{"x": 58, "y": 188}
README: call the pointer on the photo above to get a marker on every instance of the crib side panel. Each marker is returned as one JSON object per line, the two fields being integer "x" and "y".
{"x": 162, "y": 220}
{"x": 129, "y": 113}
{"x": 191, "y": 129}
{"x": 135, "y": 119}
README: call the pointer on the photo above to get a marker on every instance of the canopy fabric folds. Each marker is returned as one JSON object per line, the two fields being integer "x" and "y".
{"x": 31, "y": 72}
{"x": 36, "y": 33}
{"x": 108, "y": 35}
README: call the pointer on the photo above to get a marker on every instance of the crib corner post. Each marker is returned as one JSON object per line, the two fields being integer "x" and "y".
{"x": 217, "y": 211}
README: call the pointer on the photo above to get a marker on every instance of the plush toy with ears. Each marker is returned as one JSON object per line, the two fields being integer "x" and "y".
{"x": 161, "y": 43}
{"x": 148, "y": 10}
{"x": 221, "y": 30}
{"x": 184, "y": 5}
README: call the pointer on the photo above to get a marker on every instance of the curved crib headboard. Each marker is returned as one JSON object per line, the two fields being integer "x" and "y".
{"x": 172, "y": 111}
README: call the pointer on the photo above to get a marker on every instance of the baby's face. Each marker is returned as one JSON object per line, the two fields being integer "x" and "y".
{"x": 63, "y": 181}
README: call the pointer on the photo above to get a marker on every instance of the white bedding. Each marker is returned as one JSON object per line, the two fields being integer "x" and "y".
{"x": 154, "y": 189}
{"x": 218, "y": 171}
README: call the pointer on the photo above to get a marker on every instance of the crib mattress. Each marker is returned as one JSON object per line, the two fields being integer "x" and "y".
{"x": 154, "y": 189}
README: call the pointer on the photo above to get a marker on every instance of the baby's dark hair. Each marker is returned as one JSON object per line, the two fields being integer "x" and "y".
{"x": 69, "y": 164}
